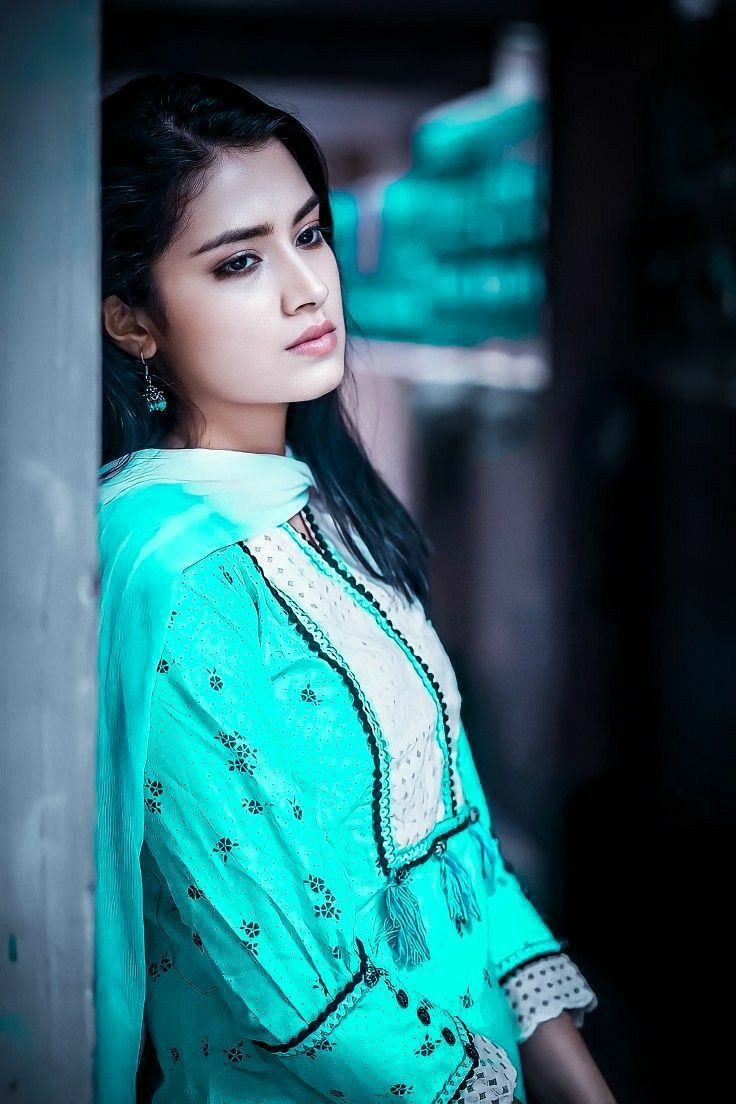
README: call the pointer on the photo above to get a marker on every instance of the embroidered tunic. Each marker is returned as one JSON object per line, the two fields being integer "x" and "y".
{"x": 327, "y": 913}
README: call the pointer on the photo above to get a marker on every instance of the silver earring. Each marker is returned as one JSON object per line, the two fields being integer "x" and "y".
{"x": 154, "y": 396}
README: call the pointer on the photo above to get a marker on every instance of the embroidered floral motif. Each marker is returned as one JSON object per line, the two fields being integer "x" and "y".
{"x": 163, "y": 666}
{"x": 175, "y": 1055}
{"x": 244, "y": 759}
{"x": 234, "y": 1054}
{"x": 194, "y": 892}
{"x": 296, "y": 808}
{"x": 252, "y": 930}
{"x": 215, "y": 681}
{"x": 240, "y": 761}
{"x": 466, "y": 999}
{"x": 226, "y": 574}
{"x": 427, "y": 1047}
{"x": 328, "y": 909}
{"x": 308, "y": 694}
{"x": 205, "y": 1046}
{"x": 155, "y": 789}
{"x": 401, "y": 1089}
{"x": 224, "y": 846}
{"x": 252, "y": 806}
{"x": 197, "y": 940}
{"x": 229, "y": 740}
{"x": 323, "y": 1044}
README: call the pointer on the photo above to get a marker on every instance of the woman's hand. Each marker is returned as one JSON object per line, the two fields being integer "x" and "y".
{"x": 559, "y": 1068}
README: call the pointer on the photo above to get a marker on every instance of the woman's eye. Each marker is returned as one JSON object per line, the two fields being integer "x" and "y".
{"x": 236, "y": 265}
{"x": 227, "y": 269}
{"x": 316, "y": 228}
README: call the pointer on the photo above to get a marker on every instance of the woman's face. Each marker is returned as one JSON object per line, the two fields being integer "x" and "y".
{"x": 233, "y": 309}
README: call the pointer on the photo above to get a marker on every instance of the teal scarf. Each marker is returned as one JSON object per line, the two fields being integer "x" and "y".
{"x": 167, "y": 509}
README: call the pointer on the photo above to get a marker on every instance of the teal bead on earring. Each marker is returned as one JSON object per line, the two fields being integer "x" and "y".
{"x": 154, "y": 396}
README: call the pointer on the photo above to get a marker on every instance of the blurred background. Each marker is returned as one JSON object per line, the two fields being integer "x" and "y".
{"x": 535, "y": 213}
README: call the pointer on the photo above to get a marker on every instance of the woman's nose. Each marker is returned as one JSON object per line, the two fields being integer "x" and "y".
{"x": 302, "y": 285}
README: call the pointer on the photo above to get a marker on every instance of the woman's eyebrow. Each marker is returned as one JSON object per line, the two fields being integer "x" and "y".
{"x": 261, "y": 231}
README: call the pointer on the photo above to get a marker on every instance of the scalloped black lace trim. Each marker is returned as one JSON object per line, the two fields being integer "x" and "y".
{"x": 457, "y": 1096}
{"x": 354, "y": 694}
{"x": 327, "y": 1010}
{"x": 344, "y": 571}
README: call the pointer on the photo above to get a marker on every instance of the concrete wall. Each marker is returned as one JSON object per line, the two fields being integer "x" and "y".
{"x": 49, "y": 401}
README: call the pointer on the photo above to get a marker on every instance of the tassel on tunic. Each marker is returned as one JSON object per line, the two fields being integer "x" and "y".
{"x": 404, "y": 926}
{"x": 487, "y": 853}
{"x": 457, "y": 887}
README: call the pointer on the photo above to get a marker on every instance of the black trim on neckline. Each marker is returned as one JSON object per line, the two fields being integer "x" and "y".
{"x": 346, "y": 574}
{"x": 349, "y": 681}
{"x": 315, "y": 646}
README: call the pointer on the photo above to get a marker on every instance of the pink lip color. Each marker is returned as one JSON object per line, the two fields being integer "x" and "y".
{"x": 318, "y": 347}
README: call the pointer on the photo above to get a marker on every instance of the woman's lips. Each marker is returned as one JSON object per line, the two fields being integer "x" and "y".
{"x": 317, "y": 347}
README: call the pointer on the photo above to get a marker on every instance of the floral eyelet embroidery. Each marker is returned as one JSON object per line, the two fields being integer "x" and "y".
{"x": 215, "y": 681}
{"x": 252, "y": 930}
{"x": 224, "y": 846}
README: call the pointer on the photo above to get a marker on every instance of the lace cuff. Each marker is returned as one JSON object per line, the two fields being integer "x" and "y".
{"x": 495, "y": 1077}
{"x": 542, "y": 989}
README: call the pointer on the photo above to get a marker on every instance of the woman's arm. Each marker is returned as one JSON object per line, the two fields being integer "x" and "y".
{"x": 559, "y": 1068}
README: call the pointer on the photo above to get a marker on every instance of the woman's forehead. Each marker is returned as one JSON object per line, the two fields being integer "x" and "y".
{"x": 245, "y": 188}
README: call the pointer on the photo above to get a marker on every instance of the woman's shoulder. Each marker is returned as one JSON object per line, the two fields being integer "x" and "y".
{"x": 222, "y": 581}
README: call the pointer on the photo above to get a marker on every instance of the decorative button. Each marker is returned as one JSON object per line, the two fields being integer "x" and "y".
{"x": 401, "y": 873}
{"x": 402, "y": 997}
{"x": 474, "y": 814}
{"x": 423, "y": 1014}
{"x": 448, "y": 1035}
{"x": 471, "y": 1050}
{"x": 440, "y": 847}
{"x": 371, "y": 974}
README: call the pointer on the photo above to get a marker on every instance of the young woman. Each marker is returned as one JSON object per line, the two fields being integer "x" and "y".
{"x": 300, "y": 893}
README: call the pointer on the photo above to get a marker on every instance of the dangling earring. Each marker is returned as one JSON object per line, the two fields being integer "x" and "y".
{"x": 153, "y": 395}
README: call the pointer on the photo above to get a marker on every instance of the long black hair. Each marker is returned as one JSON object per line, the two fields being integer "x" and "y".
{"x": 160, "y": 135}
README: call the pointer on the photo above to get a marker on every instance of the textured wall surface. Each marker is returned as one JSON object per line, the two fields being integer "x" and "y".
{"x": 49, "y": 401}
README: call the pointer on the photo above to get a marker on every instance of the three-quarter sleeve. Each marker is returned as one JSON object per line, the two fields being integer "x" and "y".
{"x": 265, "y": 894}
{"x": 543, "y": 988}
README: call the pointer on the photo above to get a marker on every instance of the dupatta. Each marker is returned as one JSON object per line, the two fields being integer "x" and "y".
{"x": 167, "y": 509}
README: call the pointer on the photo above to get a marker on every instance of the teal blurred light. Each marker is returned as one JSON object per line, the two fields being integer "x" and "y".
{"x": 460, "y": 256}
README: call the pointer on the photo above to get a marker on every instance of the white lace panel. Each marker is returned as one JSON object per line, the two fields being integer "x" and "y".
{"x": 495, "y": 1077}
{"x": 540, "y": 990}
{"x": 409, "y": 618}
{"x": 406, "y": 710}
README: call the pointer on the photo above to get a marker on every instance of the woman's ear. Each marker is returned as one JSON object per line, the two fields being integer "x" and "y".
{"x": 122, "y": 326}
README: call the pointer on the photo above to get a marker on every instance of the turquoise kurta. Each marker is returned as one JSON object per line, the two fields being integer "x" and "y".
{"x": 262, "y": 881}
{"x": 294, "y": 951}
